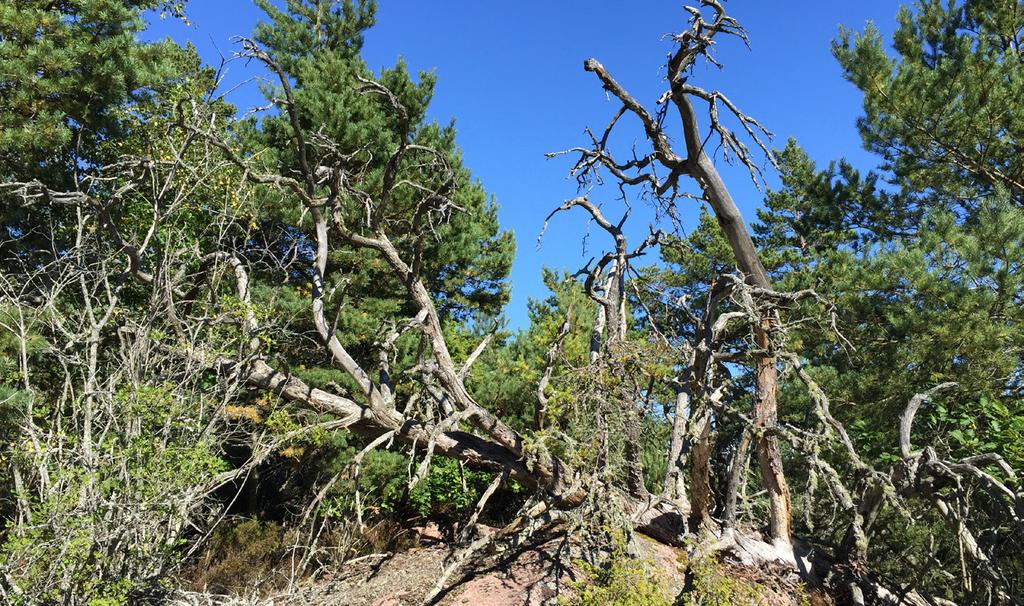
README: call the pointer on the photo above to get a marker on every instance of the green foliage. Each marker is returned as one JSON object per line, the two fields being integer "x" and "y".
{"x": 385, "y": 475}
{"x": 507, "y": 376}
{"x": 711, "y": 585}
{"x": 982, "y": 426}
{"x": 68, "y": 66}
{"x": 624, "y": 580}
{"x": 939, "y": 306}
{"x": 449, "y": 494}
{"x": 945, "y": 113}
{"x": 449, "y": 490}
{"x": 132, "y": 489}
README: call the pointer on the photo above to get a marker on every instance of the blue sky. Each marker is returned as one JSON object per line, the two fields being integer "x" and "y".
{"x": 511, "y": 75}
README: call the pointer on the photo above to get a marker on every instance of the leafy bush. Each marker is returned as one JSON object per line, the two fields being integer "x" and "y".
{"x": 709, "y": 585}
{"x": 448, "y": 490}
{"x": 103, "y": 519}
{"x": 624, "y": 580}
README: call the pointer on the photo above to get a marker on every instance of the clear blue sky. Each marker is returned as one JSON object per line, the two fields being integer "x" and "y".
{"x": 511, "y": 75}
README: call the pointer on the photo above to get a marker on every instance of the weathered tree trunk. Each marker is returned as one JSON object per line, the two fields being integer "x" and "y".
{"x": 766, "y": 382}
{"x": 769, "y": 458}
{"x": 675, "y": 484}
{"x": 700, "y": 471}
{"x": 736, "y": 472}
{"x": 853, "y": 549}
{"x": 634, "y": 465}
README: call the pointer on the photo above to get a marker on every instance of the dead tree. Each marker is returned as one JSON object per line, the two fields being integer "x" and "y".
{"x": 610, "y": 325}
{"x": 660, "y": 172}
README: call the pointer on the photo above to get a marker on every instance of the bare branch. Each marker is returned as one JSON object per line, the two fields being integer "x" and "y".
{"x": 907, "y": 418}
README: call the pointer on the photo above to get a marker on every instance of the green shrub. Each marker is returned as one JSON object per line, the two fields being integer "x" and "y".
{"x": 709, "y": 585}
{"x": 103, "y": 531}
{"x": 448, "y": 490}
{"x": 624, "y": 580}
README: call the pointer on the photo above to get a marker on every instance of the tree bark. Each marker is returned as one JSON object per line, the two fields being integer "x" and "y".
{"x": 700, "y": 471}
{"x": 736, "y": 472}
{"x": 675, "y": 485}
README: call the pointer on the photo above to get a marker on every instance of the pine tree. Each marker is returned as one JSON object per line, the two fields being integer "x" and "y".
{"x": 318, "y": 45}
{"x": 945, "y": 115}
{"x": 67, "y": 67}
{"x": 921, "y": 258}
